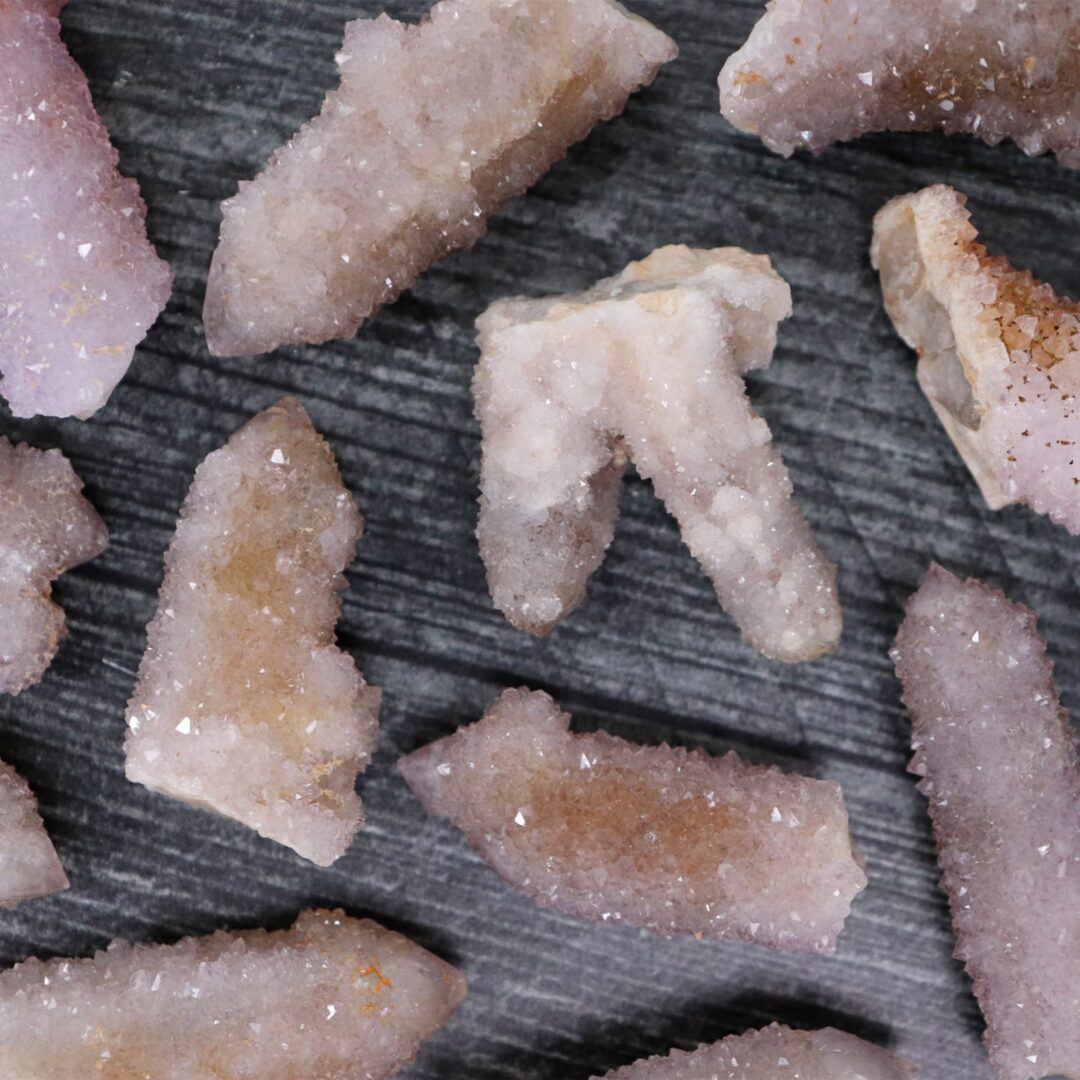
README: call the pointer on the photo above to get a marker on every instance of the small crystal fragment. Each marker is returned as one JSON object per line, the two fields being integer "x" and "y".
{"x": 647, "y": 366}
{"x": 773, "y": 1053}
{"x": 332, "y": 997}
{"x": 29, "y": 866}
{"x": 47, "y": 527}
{"x": 997, "y": 760}
{"x": 244, "y": 704}
{"x": 80, "y": 284}
{"x": 999, "y": 352}
{"x": 816, "y": 72}
{"x": 434, "y": 127}
{"x": 658, "y": 837}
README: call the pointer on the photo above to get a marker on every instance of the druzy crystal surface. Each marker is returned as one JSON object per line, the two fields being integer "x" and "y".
{"x": 658, "y": 837}
{"x": 773, "y": 1053}
{"x": 29, "y": 866}
{"x": 996, "y": 757}
{"x": 333, "y": 998}
{"x": 79, "y": 282}
{"x": 244, "y": 704}
{"x": 816, "y": 72}
{"x": 46, "y": 528}
{"x": 433, "y": 128}
{"x": 999, "y": 352}
{"x": 646, "y": 367}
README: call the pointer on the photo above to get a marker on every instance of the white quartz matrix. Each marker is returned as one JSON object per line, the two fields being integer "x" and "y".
{"x": 79, "y": 282}
{"x": 433, "y": 128}
{"x": 815, "y": 72}
{"x": 333, "y": 998}
{"x": 29, "y": 866}
{"x": 647, "y": 366}
{"x": 651, "y": 836}
{"x": 996, "y": 757}
{"x": 244, "y": 703}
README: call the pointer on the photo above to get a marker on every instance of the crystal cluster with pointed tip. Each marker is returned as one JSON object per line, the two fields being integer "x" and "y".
{"x": 29, "y": 866}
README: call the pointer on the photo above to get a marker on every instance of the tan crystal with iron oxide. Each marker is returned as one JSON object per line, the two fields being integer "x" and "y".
{"x": 29, "y": 866}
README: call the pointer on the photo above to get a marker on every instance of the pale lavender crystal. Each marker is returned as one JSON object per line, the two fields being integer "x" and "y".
{"x": 674, "y": 841}
{"x": 29, "y": 866}
{"x": 815, "y": 72}
{"x": 333, "y": 998}
{"x": 47, "y": 527}
{"x": 433, "y": 128}
{"x": 997, "y": 760}
{"x": 647, "y": 366}
{"x": 80, "y": 284}
{"x": 244, "y": 704}
{"x": 773, "y": 1053}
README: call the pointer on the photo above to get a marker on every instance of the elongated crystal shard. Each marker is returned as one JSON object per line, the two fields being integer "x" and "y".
{"x": 996, "y": 758}
{"x": 244, "y": 704}
{"x": 333, "y": 997}
{"x": 658, "y": 837}
{"x": 29, "y": 866}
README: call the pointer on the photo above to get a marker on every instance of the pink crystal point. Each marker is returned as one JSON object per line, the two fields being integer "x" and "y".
{"x": 434, "y": 127}
{"x": 333, "y": 997}
{"x": 47, "y": 527}
{"x": 999, "y": 352}
{"x": 656, "y": 837}
{"x": 646, "y": 366}
{"x": 816, "y": 72}
{"x": 997, "y": 761}
{"x": 29, "y": 866}
{"x": 80, "y": 284}
{"x": 773, "y": 1053}
{"x": 244, "y": 705}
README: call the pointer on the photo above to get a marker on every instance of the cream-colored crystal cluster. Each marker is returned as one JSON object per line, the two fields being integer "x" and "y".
{"x": 674, "y": 841}
{"x": 816, "y": 72}
{"x": 244, "y": 704}
{"x": 999, "y": 352}
{"x": 433, "y": 128}
{"x": 333, "y": 998}
{"x": 47, "y": 527}
{"x": 996, "y": 758}
{"x": 29, "y": 866}
{"x": 646, "y": 367}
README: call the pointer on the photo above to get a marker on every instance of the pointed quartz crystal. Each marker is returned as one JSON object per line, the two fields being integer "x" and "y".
{"x": 655, "y": 837}
{"x": 244, "y": 705}
{"x": 29, "y": 866}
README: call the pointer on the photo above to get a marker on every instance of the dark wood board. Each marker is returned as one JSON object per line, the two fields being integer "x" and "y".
{"x": 196, "y": 94}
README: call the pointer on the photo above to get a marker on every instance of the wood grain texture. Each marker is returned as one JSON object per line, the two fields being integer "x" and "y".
{"x": 197, "y": 93}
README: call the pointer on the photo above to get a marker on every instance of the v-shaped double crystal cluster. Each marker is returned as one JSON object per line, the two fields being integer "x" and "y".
{"x": 29, "y": 866}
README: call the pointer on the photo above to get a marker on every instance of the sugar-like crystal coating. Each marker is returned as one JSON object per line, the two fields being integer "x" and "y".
{"x": 816, "y": 72}
{"x": 433, "y": 128}
{"x": 29, "y": 866}
{"x": 647, "y": 366}
{"x": 999, "y": 352}
{"x": 80, "y": 284}
{"x": 996, "y": 757}
{"x": 333, "y": 998}
{"x": 244, "y": 704}
{"x": 773, "y": 1053}
{"x": 658, "y": 837}
{"x": 47, "y": 527}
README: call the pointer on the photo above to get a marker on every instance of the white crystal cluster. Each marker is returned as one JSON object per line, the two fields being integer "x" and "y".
{"x": 333, "y": 998}
{"x": 433, "y": 128}
{"x": 244, "y": 704}
{"x": 674, "y": 841}
{"x": 999, "y": 352}
{"x": 996, "y": 757}
{"x": 646, "y": 367}
{"x": 80, "y": 284}
{"x": 29, "y": 866}
{"x": 815, "y": 72}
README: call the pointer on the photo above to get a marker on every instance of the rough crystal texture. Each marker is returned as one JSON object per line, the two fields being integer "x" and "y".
{"x": 647, "y": 366}
{"x": 773, "y": 1053}
{"x": 333, "y": 998}
{"x": 79, "y": 282}
{"x": 244, "y": 705}
{"x": 29, "y": 866}
{"x": 433, "y": 128}
{"x": 674, "y": 841}
{"x": 46, "y": 528}
{"x": 999, "y": 352}
{"x": 997, "y": 760}
{"x": 815, "y": 72}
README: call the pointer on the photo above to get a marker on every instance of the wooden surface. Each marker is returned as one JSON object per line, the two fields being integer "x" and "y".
{"x": 197, "y": 93}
